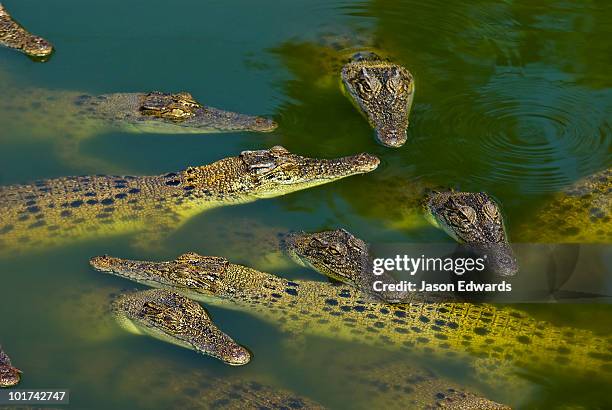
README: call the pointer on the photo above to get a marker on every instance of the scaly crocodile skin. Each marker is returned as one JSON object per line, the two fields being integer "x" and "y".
{"x": 9, "y": 375}
{"x": 57, "y": 211}
{"x": 501, "y": 339}
{"x": 581, "y": 213}
{"x": 14, "y": 36}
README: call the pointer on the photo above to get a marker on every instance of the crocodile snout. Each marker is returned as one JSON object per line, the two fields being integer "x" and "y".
{"x": 391, "y": 137}
{"x": 366, "y": 162}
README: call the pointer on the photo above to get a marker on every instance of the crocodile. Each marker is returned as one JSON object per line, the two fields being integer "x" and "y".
{"x": 413, "y": 384}
{"x": 57, "y": 211}
{"x": 473, "y": 219}
{"x": 182, "y": 322}
{"x": 497, "y": 342}
{"x": 70, "y": 117}
{"x": 9, "y": 375}
{"x": 176, "y": 384}
{"x": 329, "y": 249}
{"x": 579, "y": 214}
{"x": 168, "y": 316}
{"x": 170, "y": 385}
{"x": 13, "y": 35}
{"x": 381, "y": 89}
{"x": 397, "y": 386}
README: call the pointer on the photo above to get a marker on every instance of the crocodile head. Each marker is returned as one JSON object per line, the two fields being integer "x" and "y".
{"x": 476, "y": 220}
{"x": 337, "y": 254}
{"x": 37, "y": 47}
{"x": 383, "y": 92}
{"x": 9, "y": 375}
{"x": 171, "y": 317}
{"x": 164, "y": 113}
{"x": 15, "y": 36}
{"x": 269, "y": 173}
{"x": 208, "y": 279}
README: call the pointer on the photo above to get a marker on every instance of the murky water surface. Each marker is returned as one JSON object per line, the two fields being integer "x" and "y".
{"x": 512, "y": 97}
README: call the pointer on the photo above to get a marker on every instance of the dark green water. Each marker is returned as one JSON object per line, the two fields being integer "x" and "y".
{"x": 512, "y": 98}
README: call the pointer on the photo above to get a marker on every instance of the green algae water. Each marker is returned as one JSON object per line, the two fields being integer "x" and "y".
{"x": 512, "y": 98}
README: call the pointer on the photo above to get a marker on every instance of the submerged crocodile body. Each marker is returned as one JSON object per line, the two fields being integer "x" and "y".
{"x": 9, "y": 375}
{"x": 13, "y": 35}
{"x": 174, "y": 384}
{"x": 177, "y": 387}
{"x": 377, "y": 379}
{"x": 420, "y": 388}
{"x": 205, "y": 390}
{"x": 71, "y": 117}
{"x": 57, "y": 211}
{"x": 394, "y": 385}
{"x": 503, "y": 340}
{"x": 581, "y": 213}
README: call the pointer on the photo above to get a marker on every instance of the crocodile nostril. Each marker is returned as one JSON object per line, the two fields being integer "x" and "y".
{"x": 367, "y": 160}
{"x": 391, "y": 138}
{"x": 240, "y": 357}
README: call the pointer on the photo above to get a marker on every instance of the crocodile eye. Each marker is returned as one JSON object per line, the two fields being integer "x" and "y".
{"x": 491, "y": 210}
{"x": 278, "y": 151}
{"x": 461, "y": 217}
{"x": 262, "y": 167}
{"x": 159, "y": 314}
{"x": 455, "y": 219}
{"x": 150, "y": 309}
{"x": 367, "y": 85}
{"x": 162, "y": 316}
{"x": 395, "y": 84}
{"x": 355, "y": 245}
{"x": 317, "y": 243}
{"x": 178, "y": 113}
{"x": 336, "y": 251}
{"x": 469, "y": 213}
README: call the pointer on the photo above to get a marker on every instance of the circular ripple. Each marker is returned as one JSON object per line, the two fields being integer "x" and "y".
{"x": 542, "y": 129}
{"x": 535, "y": 129}
{"x": 529, "y": 125}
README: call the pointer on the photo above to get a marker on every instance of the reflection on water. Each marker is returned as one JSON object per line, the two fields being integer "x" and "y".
{"x": 512, "y": 98}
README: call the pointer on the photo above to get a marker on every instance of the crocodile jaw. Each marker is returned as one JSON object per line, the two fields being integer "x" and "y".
{"x": 302, "y": 173}
{"x": 213, "y": 120}
{"x": 9, "y": 376}
{"x": 15, "y": 36}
